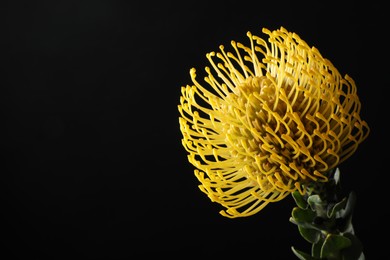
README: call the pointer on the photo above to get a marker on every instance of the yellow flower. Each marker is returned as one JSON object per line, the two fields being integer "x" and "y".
{"x": 275, "y": 117}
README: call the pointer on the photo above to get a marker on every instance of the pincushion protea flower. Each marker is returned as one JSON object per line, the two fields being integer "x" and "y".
{"x": 274, "y": 118}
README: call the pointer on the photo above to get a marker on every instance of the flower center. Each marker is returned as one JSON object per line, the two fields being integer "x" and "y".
{"x": 257, "y": 137}
{"x": 262, "y": 86}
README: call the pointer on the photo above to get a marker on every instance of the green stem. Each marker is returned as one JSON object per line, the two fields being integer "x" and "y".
{"x": 325, "y": 221}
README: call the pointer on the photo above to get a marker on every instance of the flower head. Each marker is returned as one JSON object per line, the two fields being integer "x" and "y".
{"x": 273, "y": 118}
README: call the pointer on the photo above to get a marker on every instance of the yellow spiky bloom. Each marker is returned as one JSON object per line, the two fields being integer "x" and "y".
{"x": 275, "y": 117}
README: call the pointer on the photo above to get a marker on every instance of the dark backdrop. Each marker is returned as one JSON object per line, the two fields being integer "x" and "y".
{"x": 93, "y": 167}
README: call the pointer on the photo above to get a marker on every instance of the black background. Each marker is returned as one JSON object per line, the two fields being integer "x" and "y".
{"x": 93, "y": 166}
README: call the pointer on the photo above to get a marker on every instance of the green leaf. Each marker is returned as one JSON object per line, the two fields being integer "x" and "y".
{"x": 306, "y": 225}
{"x": 316, "y": 204}
{"x": 303, "y": 215}
{"x": 309, "y": 234}
{"x": 299, "y": 200}
{"x": 316, "y": 248}
{"x": 350, "y": 204}
{"x": 302, "y": 255}
{"x": 333, "y": 244}
{"x": 336, "y": 176}
{"x": 345, "y": 221}
{"x": 336, "y": 208}
{"x": 354, "y": 251}
{"x": 345, "y": 224}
